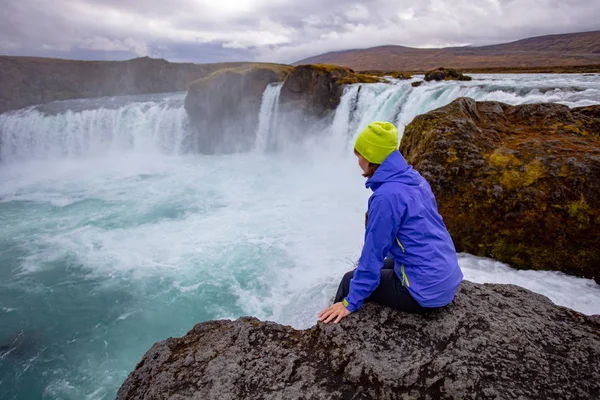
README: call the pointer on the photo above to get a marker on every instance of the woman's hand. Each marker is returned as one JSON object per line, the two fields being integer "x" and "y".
{"x": 337, "y": 311}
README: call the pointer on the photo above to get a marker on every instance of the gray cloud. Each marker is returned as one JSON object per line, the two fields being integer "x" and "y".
{"x": 273, "y": 30}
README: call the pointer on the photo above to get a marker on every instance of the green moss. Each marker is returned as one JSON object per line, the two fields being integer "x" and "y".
{"x": 514, "y": 176}
{"x": 533, "y": 172}
{"x": 346, "y": 75}
{"x": 392, "y": 74}
{"x": 511, "y": 179}
{"x": 451, "y": 155}
{"x": 281, "y": 70}
{"x": 579, "y": 210}
{"x": 501, "y": 159}
{"x": 358, "y": 78}
{"x": 331, "y": 68}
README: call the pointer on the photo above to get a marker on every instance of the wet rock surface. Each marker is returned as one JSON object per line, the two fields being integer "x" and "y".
{"x": 492, "y": 342}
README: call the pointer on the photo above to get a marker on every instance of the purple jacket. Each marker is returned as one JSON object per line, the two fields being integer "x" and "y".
{"x": 404, "y": 224}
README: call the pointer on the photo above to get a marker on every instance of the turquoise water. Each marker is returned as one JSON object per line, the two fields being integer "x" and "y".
{"x": 102, "y": 258}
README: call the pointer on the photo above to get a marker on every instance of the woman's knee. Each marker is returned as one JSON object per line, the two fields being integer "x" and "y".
{"x": 348, "y": 276}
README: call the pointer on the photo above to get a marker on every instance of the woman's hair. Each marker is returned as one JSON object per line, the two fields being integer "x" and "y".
{"x": 370, "y": 169}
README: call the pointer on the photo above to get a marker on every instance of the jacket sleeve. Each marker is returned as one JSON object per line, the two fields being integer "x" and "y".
{"x": 379, "y": 237}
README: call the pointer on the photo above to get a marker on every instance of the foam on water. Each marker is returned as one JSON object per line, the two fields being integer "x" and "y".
{"x": 88, "y": 128}
{"x": 565, "y": 290}
{"x": 104, "y": 253}
{"x": 399, "y": 102}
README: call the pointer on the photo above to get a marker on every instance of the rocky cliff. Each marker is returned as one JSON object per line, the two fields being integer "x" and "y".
{"x": 224, "y": 106}
{"x": 492, "y": 342}
{"x": 517, "y": 183}
{"x": 445, "y": 74}
{"x": 27, "y": 80}
{"x": 315, "y": 91}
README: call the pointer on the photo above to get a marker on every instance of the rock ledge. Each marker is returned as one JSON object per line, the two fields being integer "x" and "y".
{"x": 492, "y": 342}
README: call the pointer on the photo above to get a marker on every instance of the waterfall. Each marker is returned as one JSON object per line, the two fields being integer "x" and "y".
{"x": 267, "y": 119}
{"x": 88, "y": 127}
{"x": 399, "y": 102}
{"x": 158, "y": 123}
{"x": 342, "y": 119}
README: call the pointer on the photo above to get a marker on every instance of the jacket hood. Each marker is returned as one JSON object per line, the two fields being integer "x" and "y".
{"x": 393, "y": 169}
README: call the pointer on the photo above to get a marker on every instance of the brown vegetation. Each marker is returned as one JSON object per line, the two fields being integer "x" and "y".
{"x": 569, "y": 50}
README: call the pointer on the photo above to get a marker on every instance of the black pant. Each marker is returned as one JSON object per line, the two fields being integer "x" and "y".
{"x": 390, "y": 291}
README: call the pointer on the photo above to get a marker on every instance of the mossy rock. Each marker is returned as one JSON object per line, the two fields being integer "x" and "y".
{"x": 416, "y": 84}
{"x": 517, "y": 183}
{"x": 315, "y": 90}
{"x": 358, "y": 78}
{"x": 445, "y": 74}
{"x": 392, "y": 74}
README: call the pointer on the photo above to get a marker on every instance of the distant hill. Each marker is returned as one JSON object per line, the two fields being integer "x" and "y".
{"x": 571, "y": 49}
{"x": 32, "y": 80}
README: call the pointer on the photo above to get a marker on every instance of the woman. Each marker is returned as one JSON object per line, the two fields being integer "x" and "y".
{"x": 422, "y": 272}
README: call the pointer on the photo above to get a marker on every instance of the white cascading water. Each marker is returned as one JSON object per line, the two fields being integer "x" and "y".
{"x": 400, "y": 102}
{"x": 267, "y": 118}
{"x": 142, "y": 126}
{"x": 114, "y": 237}
{"x": 160, "y": 124}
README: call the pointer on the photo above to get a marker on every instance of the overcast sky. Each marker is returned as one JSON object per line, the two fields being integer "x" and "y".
{"x": 273, "y": 30}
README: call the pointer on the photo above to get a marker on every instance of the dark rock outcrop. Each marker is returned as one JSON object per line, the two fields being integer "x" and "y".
{"x": 224, "y": 106}
{"x": 517, "y": 183}
{"x": 315, "y": 90}
{"x": 445, "y": 74}
{"x": 416, "y": 84}
{"x": 27, "y": 80}
{"x": 492, "y": 342}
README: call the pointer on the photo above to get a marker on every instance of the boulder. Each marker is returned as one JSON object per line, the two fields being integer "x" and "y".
{"x": 445, "y": 74}
{"x": 315, "y": 90}
{"x": 224, "y": 106}
{"x": 517, "y": 183}
{"x": 492, "y": 342}
{"x": 416, "y": 83}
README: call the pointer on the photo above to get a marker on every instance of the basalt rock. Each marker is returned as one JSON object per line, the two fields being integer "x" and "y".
{"x": 315, "y": 90}
{"x": 224, "y": 106}
{"x": 445, "y": 74}
{"x": 517, "y": 183}
{"x": 492, "y": 342}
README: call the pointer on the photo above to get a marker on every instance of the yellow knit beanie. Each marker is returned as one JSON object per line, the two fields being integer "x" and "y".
{"x": 377, "y": 141}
